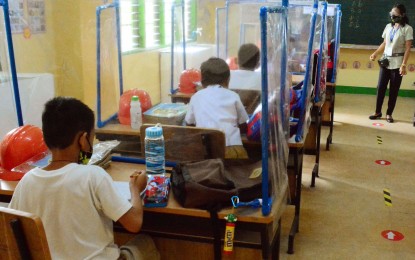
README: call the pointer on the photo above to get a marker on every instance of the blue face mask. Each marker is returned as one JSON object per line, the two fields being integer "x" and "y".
{"x": 84, "y": 156}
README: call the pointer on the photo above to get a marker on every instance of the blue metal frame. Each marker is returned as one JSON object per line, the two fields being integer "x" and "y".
{"x": 137, "y": 160}
{"x": 320, "y": 56}
{"x": 337, "y": 43}
{"x": 266, "y": 202}
{"x": 13, "y": 71}
{"x": 99, "y": 9}
{"x": 303, "y": 104}
{"x": 173, "y": 7}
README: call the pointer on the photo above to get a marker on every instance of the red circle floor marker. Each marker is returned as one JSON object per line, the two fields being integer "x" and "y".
{"x": 377, "y": 124}
{"x": 392, "y": 235}
{"x": 382, "y": 162}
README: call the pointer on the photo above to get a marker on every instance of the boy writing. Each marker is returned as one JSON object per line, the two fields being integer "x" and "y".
{"x": 217, "y": 107}
{"x": 77, "y": 203}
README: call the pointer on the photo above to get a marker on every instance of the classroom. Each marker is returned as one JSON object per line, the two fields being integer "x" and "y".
{"x": 158, "y": 105}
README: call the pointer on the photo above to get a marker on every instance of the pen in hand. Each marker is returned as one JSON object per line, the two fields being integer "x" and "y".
{"x": 138, "y": 181}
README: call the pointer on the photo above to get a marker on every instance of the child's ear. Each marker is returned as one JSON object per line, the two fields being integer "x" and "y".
{"x": 83, "y": 142}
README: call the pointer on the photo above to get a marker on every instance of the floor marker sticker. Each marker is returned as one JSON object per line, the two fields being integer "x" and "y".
{"x": 377, "y": 124}
{"x": 379, "y": 138}
{"x": 392, "y": 235}
{"x": 382, "y": 162}
{"x": 387, "y": 197}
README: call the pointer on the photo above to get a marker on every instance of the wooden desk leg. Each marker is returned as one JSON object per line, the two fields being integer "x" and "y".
{"x": 265, "y": 242}
{"x": 276, "y": 243}
{"x": 271, "y": 249}
{"x": 316, "y": 165}
{"x": 295, "y": 226}
{"x": 330, "y": 136}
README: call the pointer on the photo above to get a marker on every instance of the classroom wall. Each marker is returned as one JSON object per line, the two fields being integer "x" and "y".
{"x": 36, "y": 53}
{"x": 206, "y": 17}
{"x": 68, "y": 50}
{"x": 356, "y": 70}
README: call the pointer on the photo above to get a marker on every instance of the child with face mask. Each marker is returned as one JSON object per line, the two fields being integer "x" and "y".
{"x": 77, "y": 203}
{"x": 396, "y": 47}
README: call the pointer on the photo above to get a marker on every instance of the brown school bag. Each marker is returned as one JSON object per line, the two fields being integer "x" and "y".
{"x": 210, "y": 184}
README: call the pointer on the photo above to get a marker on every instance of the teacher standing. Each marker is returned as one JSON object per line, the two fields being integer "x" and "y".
{"x": 396, "y": 47}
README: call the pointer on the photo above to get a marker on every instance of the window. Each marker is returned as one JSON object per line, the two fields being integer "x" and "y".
{"x": 147, "y": 23}
{"x": 129, "y": 21}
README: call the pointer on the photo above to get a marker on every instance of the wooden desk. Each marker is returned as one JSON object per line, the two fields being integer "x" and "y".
{"x": 175, "y": 222}
{"x": 328, "y": 111}
{"x": 129, "y": 138}
{"x": 6, "y": 190}
{"x": 294, "y": 171}
{"x": 182, "y": 143}
{"x": 312, "y": 140}
{"x": 181, "y": 97}
{"x": 295, "y": 79}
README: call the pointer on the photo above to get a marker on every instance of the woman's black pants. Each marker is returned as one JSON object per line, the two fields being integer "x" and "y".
{"x": 395, "y": 79}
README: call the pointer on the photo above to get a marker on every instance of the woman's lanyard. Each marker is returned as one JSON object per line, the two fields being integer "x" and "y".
{"x": 393, "y": 32}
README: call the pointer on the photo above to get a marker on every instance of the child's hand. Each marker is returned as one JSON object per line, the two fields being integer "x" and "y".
{"x": 138, "y": 181}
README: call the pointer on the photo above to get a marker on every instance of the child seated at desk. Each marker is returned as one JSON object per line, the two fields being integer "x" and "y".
{"x": 78, "y": 203}
{"x": 246, "y": 77}
{"x": 217, "y": 107}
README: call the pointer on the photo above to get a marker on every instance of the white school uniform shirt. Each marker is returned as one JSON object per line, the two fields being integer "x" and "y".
{"x": 77, "y": 205}
{"x": 398, "y": 43}
{"x": 219, "y": 108}
{"x": 245, "y": 79}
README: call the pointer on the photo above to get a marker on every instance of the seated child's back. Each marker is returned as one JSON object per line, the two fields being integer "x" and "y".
{"x": 246, "y": 77}
{"x": 215, "y": 106}
{"x": 77, "y": 203}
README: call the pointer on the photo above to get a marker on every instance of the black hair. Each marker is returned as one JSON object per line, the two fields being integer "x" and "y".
{"x": 214, "y": 71}
{"x": 248, "y": 56}
{"x": 402, "y": 10}
{"x": 62, "y": 119}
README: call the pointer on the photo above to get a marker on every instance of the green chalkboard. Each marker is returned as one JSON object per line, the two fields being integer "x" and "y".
{"x": 363, "y": 21}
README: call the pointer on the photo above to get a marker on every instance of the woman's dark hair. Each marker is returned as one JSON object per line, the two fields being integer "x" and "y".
{"x": 402, "y": 10}
{"x": 248, "y": 56}
{"x": 215, "y": 71}
{"x": 62, "y": 119}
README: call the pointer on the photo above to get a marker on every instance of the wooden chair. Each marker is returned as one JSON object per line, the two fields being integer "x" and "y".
{"x": 250, "y": 99}
{"x": 187, "y": 143}
{"x": 22, "y": 236}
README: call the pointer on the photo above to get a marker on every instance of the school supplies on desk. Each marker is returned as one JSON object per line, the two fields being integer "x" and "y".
{"x": 165, "y": 113}
{"x": 157, "y": 191}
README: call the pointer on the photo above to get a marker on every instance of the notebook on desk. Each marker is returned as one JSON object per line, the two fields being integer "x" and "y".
{"x": 123, "y": 188}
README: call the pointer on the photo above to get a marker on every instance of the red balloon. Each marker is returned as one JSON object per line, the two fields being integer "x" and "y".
{"x": 21, "y": 144}
{"x": 188, "y": 80}
{"x": 232, "y": 63}
{"x": 125, "y": 99}
{"x": 9, "y": 175}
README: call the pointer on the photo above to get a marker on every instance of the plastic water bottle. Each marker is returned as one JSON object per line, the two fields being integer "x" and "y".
{"x": 135, "y": 113}
{"x": 154, "y": 150}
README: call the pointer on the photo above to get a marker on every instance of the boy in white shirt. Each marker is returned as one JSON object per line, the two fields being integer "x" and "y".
{"x": 215, "y": 106}
{"x": 246, "y": 77}
{"x": 77, "y": 203}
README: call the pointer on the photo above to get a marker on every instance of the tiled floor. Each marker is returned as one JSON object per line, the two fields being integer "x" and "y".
{"x": 344, "y": 215}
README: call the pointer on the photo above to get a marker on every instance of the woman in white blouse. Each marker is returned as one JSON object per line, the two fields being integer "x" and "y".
{"x": 396, "y": 46}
